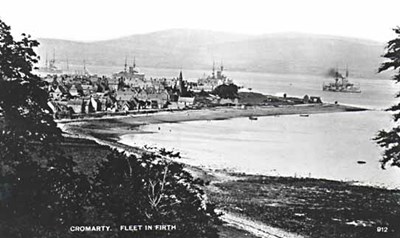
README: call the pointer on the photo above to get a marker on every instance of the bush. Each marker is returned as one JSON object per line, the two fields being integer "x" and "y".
{"x": 227, "y": 91}
{"x": 151, "y": 190}
{"x": 42, "y": 193}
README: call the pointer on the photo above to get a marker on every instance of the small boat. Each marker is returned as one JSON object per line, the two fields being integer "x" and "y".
{"x": 304, "y": 115}
{"x": 253, "y": 118}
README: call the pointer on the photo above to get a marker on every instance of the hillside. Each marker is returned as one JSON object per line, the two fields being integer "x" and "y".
{"x": 196, "y": 49}
{"x": 302, "y": 53}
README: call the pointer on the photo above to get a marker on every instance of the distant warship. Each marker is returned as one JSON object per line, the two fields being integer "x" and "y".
{"x": 50, "y": 66}
{"x": 341, "y": 84}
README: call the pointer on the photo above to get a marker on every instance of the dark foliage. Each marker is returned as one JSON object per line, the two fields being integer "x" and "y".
{"x": 390, "y": 140}
{"x": 24, "y": 103}
{"x": 42, "y": 201}
{"x": 226, "y": 91}
{"x": 150, "y": 190}
{"x": 39, "y": 191}
{"x": 43, "y": 191}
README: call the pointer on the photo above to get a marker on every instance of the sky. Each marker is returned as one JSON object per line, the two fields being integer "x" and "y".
{"x": 91, "y": 20}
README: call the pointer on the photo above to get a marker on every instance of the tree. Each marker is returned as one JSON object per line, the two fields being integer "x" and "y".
{"x": 390, "y": 140}
{"x": 23, "y": 101}
{"x": 42, "y": 191}
{"x": 39, "y": 190}
{"x": 226, "y": 91}
{"x": 151, "y": 190}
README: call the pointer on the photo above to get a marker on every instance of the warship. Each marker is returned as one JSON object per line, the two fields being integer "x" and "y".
{"x": 341, "y": 84}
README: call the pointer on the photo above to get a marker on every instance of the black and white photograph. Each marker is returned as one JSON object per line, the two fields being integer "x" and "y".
{"x": 199, "y": 118}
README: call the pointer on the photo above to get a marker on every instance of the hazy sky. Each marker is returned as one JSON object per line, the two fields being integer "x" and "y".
{"x": 89, "y": 20}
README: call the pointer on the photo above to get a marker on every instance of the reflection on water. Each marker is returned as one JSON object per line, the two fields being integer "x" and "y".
{"x": 322, "y": 145}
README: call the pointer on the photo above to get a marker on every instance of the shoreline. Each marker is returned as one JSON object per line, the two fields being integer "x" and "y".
{"x": 109, "y": 131}
{"x": 214, "y": 113}
{"x": 113, "y": 127}
{"x": 251, "y": 201}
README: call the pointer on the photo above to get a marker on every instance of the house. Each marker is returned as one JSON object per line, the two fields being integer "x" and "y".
{"x": 132, "y": 82}
{"x": 128, "y": 105}
{"x": 228, "y": 101}
{"x": 94, "y": 79}
{"x": 87, "y": 89}
{"x": 88, "y": 106}
{"x": 107, "y": 102}
{"x": 185, "y": 102}
{"x": 160, "y": 98}
{"x": 154, "y": 104}
{"x": 213, "y": 99}
{"x": 77, "y": 105}
{"x": 100, "y": 87}
{"x": 172, "y": 94}
{"x": 58, "y": 92}
{"x": 314, "y": 99}
{"x": 121, "y": 95}
{"x": 173, "y": 105}
{"x": 60, "y": 110}
{"x": 75, "y": 90}
{"x": 98, "y": 104}
{"x": 113, "y": 84}
{"x": 141, "y": 95}
{"x": 141, "y": 104}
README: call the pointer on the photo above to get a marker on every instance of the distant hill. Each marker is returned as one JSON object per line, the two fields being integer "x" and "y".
{"x": 196, "y": 49}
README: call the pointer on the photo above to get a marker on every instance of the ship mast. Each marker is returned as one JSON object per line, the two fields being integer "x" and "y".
{"x": 337, "y": 74}
{"x": 213, "y": 70}
{"x": 84, "y": 66}
{"x": 46, "y": 61}
{"x": 126, "y": 64}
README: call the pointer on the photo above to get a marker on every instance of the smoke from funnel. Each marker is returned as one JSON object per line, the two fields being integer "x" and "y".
{"x": 334, "y": 73}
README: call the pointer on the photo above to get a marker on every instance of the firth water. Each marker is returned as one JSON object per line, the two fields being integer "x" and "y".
{"x": 321, "y": 145}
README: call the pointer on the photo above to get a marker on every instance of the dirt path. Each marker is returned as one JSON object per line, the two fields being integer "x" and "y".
{"x": 256, "y": 228}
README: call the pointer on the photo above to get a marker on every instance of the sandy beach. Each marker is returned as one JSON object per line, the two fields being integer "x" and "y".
{"x": 113, "y": 127}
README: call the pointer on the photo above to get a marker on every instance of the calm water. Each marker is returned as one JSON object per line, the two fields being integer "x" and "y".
{"x": 376, "y": 93}
{"x": 322, "y": 146}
